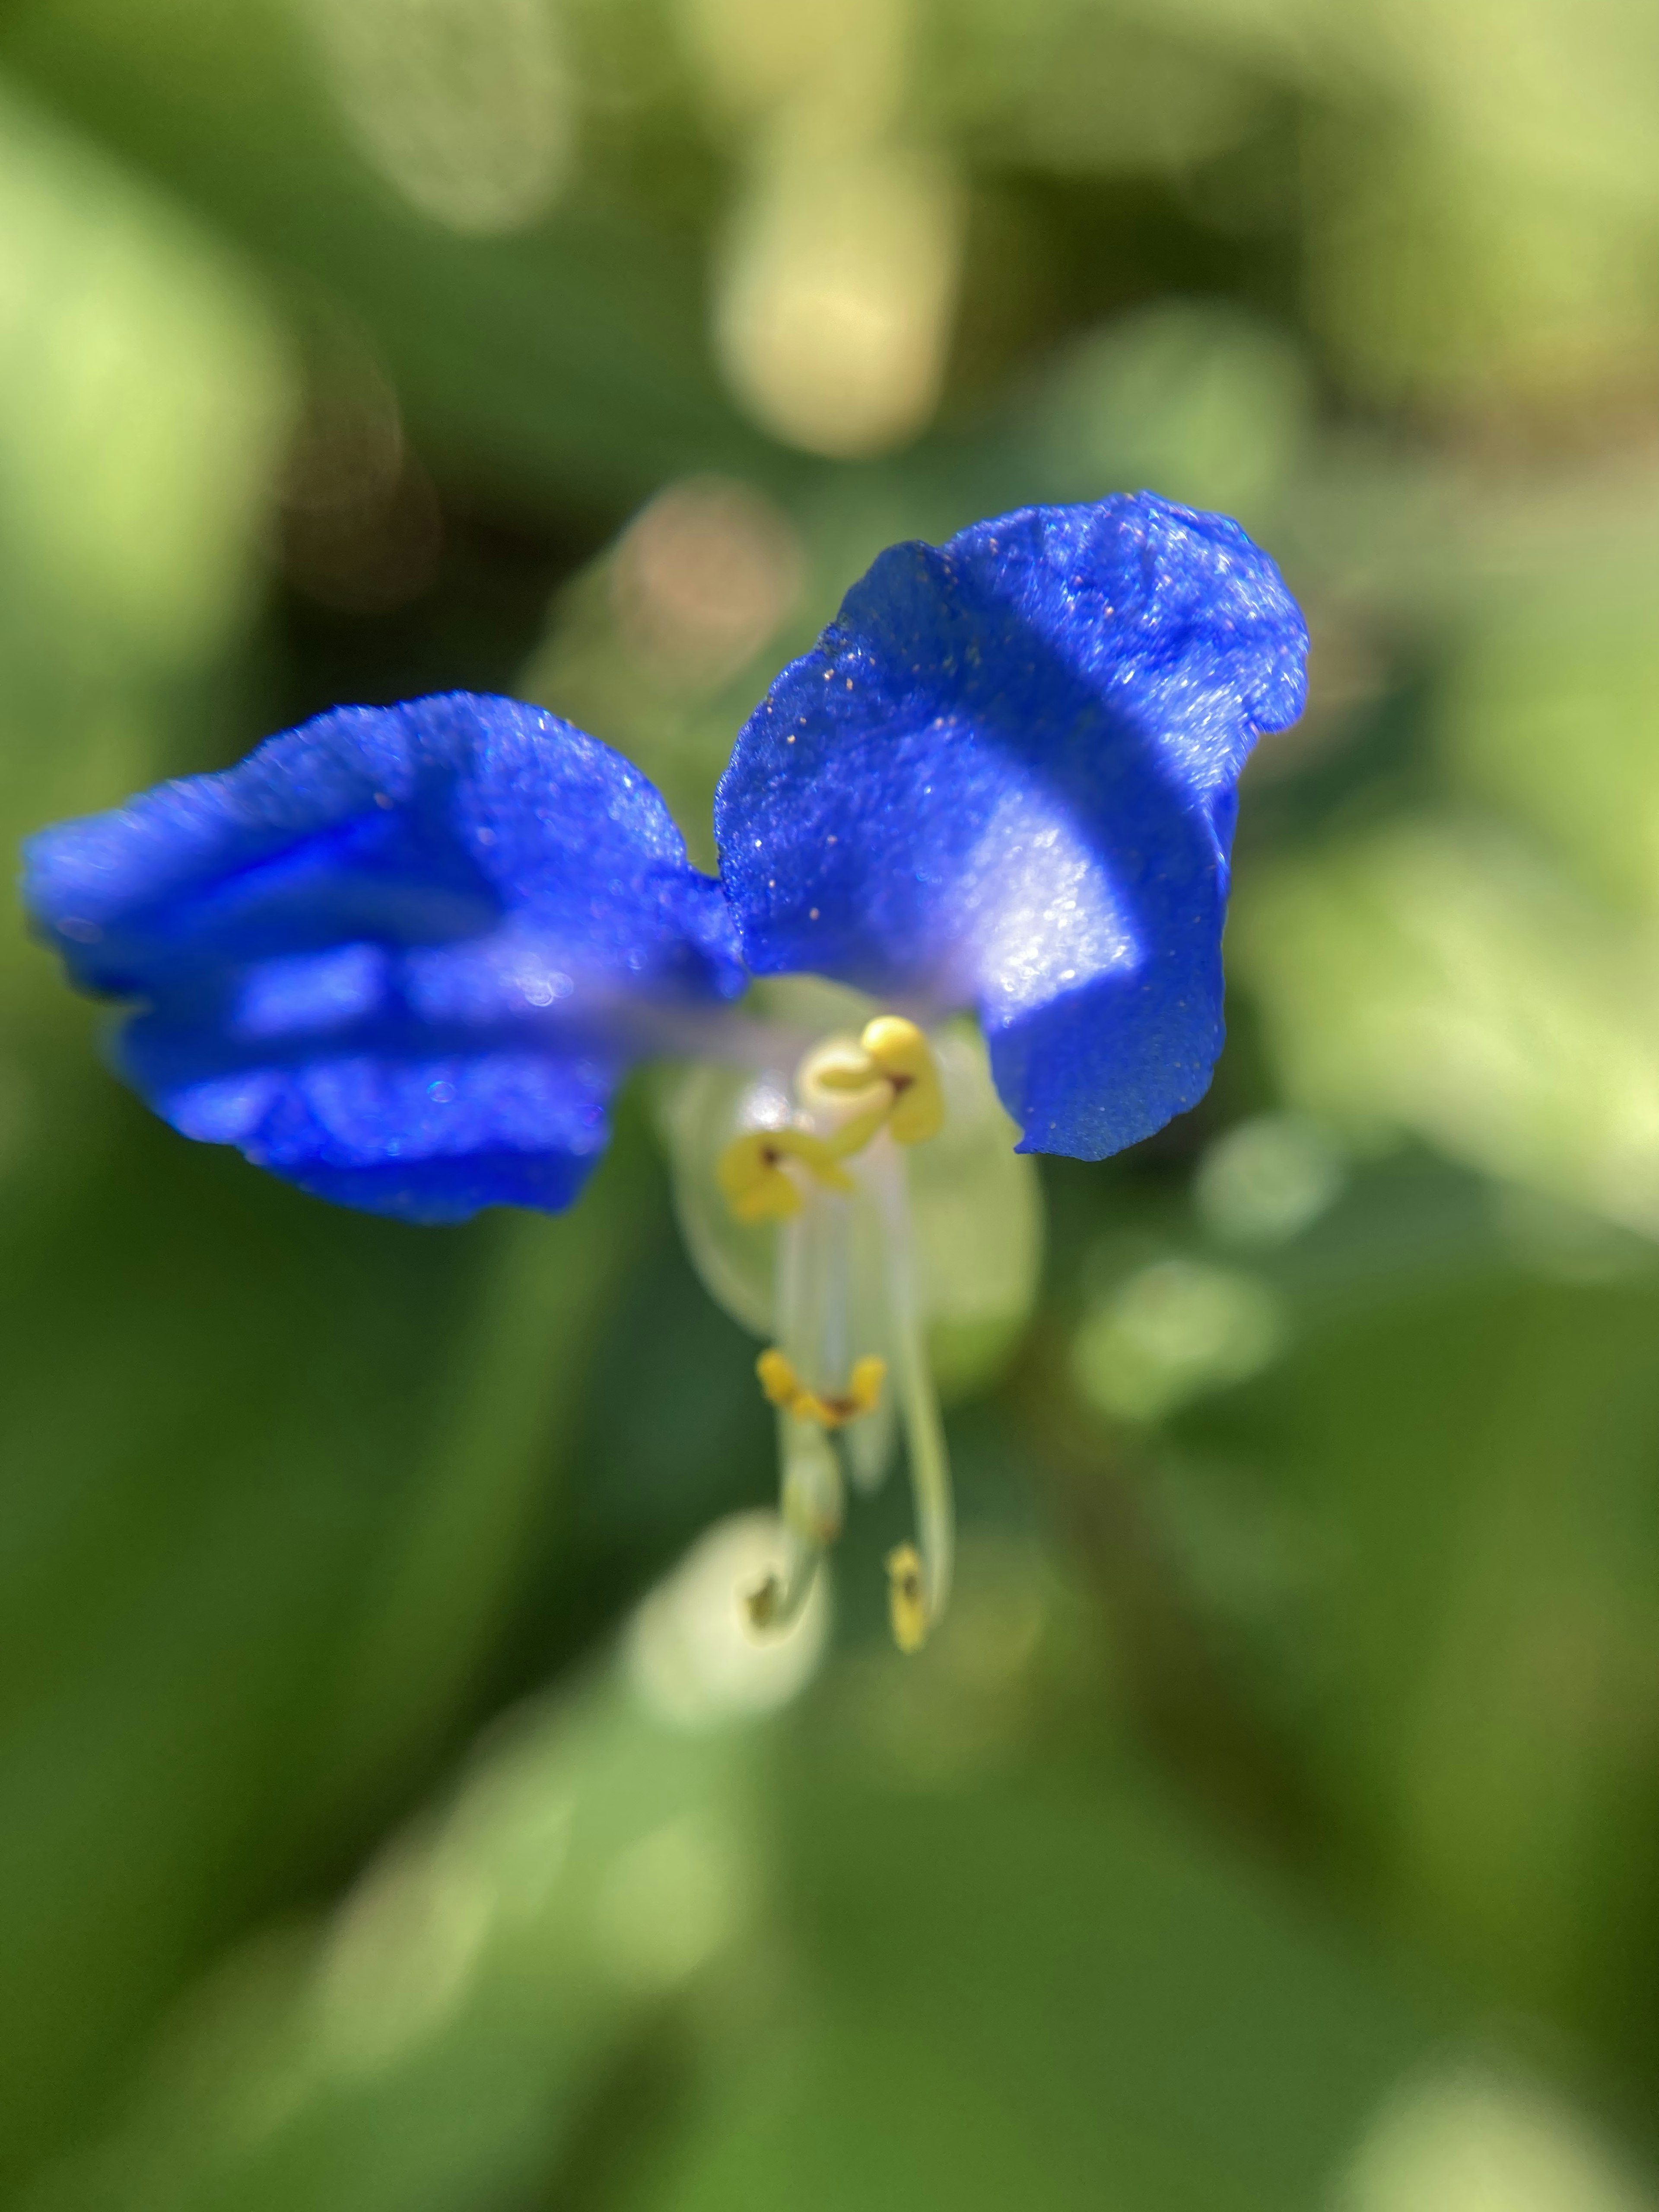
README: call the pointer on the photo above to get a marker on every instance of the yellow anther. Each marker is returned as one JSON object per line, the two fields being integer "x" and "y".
{"x": 890, "y": 1078}
{"x": 864, "y": 1383}
{"x": 907, "y": 1599}
{"x": 835, "y": 1070}
{"x": 779, "y": 1380}
{"x": 828, "y": 1409}
{"x": 901, "y": 1053}
{"x": 751, "y": 1177}
{"x": 842, "y": 1085}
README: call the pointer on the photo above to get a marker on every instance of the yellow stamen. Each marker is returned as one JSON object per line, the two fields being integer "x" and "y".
{"x": 896, "y": 1063}
{"x": 855, "y": 1133}
{"x": 752, "y": 1179}
{"x": 864, "y": 1383}
{"x": 833, "y": 1288}
{"x": 829, "y": 1409}
{"x": 906, "y": 1600}
{"x": 894, "y": 1054}
{"x": 840, "y": 1084}
{"x": 838, "y": 1070}
{"x": 779, "y": 1380}
{"x": 901, "y": 1053}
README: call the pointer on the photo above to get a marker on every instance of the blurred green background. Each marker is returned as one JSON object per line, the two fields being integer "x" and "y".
{"x": 1276, "y": 1822}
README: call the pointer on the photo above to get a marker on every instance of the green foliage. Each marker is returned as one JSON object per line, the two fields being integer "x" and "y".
{"x": 1272, "y": 1824}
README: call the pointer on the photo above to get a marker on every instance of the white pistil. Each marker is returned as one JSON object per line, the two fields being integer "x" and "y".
{"x": 868, "y": 1443}
{"x": 812, "y": 1502}
{"x": 849, "y": 1313}
{"x": 924, "y": 1430}
{"x": 812, "y": 1492}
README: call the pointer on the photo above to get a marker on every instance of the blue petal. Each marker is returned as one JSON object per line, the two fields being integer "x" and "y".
{"x": 400, "y": 956}
{"x": 1004, "y": 778}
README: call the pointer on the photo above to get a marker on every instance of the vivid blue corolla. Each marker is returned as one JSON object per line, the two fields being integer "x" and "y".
{"x": 1005, "y": 779}
{"x": 400, "y": 956}
{"x": 403, "y": 956}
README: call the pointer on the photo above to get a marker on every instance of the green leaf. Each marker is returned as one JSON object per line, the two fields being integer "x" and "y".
{"x": 569, "y": 355}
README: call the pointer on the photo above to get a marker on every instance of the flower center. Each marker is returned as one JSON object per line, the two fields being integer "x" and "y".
{"x": 849, "y": 1366}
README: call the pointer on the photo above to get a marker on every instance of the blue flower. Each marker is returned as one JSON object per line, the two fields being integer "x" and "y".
{"x": 403, "y": 956}
{"x": 1005, "y": 779}
{"x": 400, "y": 956}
